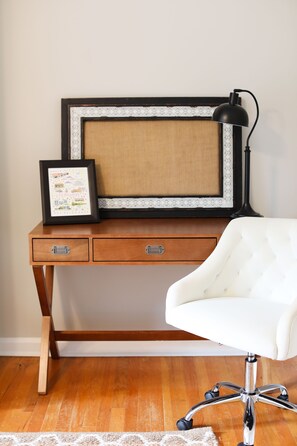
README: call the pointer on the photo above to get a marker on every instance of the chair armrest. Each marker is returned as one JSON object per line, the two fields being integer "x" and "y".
{"x": 194, "y": 285}
{"x": 286, "y": 335}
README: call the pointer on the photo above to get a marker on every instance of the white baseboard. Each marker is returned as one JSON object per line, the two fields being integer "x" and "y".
{"x": 31, "y": 347}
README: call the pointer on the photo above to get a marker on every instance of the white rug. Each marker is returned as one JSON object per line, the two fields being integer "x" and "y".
{"x": 195, "y": 437}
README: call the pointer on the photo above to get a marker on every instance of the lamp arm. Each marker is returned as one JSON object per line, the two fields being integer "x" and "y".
{"x": 257, "y": 117}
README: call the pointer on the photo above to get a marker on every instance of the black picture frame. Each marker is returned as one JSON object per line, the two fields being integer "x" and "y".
{"x": 68, "y": 192}
{"x": 76, "y": 112}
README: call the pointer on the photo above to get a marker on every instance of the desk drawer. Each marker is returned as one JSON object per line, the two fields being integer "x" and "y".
{"x": 153, "y": 250}
{"x": 60, "y": 250}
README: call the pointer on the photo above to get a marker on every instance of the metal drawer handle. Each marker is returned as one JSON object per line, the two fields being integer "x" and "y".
{"x": 154, "y": 249}
{"x": 60, "y": 249}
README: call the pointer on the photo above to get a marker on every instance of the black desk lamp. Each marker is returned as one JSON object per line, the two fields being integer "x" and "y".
{"x": 233, "y": 113}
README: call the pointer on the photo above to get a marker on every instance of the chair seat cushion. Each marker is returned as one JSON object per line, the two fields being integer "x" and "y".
{"x": 244, "y": 323}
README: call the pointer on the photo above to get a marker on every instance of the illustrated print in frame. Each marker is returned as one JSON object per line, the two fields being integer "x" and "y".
{"x": 69, "y": 191}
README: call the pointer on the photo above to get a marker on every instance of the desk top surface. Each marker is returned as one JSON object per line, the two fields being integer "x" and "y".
{"x": 114, "y": 228}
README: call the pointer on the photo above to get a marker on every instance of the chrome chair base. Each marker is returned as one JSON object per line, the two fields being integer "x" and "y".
{"x": 249, "y": 395}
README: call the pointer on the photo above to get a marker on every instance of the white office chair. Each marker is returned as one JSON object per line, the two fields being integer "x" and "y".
{"x": 244, "y": 296}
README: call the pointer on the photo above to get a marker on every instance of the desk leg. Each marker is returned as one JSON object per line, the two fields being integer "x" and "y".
{"x": 44, "y": 355}
{"x": 44, "y": 285}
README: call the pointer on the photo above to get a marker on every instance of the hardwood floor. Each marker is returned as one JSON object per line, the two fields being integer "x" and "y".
{"x": 139, "y": 394}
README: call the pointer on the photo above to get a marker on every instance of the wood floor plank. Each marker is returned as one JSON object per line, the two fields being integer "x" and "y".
{"x": 139, "y": 394}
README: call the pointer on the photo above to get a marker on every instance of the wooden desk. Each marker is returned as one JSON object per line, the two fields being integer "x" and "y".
{"x": 113, "y": 242}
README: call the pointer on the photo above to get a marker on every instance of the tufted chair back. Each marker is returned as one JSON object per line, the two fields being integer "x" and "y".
{"x": 256, "y": 258}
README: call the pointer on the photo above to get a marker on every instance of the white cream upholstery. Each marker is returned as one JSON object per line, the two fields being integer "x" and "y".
{"x": 245, "y": 294}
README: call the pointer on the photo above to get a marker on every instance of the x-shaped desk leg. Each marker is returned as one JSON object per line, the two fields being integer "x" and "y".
{"x": 44, "y": 284}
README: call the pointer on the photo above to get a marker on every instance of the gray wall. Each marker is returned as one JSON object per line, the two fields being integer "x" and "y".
{"x": 91, "y": 48}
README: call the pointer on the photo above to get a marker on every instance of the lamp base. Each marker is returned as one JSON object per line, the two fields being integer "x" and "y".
{"x": 246, "y": 211}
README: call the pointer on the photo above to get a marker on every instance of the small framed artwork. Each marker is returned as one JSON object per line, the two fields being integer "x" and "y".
{"x": 68, "y": 191}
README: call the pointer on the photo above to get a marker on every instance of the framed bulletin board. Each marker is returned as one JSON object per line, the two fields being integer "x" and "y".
{"x": 156, "y": 157}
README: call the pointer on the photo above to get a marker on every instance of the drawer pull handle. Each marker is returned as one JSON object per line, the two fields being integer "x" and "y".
{"x": 154, "y": 249}
{"x": 60, "y": 250}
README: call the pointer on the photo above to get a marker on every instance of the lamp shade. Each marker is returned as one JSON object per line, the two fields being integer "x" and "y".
{"x": 231, "y": 114}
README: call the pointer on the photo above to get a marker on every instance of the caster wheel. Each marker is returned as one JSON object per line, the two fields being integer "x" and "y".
{"x": 211, "y": 394}
{"x": 283, "y": 397}
{"x": 184, "y": 425}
